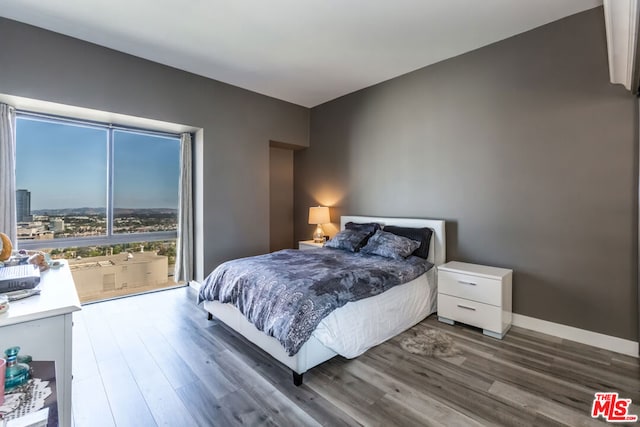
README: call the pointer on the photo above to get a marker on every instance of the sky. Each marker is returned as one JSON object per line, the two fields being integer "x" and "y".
{"x": 65, "y": 166}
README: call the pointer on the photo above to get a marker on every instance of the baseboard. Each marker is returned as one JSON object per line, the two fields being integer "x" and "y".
{"x": 195, "y": 285}
{"x": 607, "y": 342}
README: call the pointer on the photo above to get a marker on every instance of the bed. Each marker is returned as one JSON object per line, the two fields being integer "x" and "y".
{"x": 359, "y": 325}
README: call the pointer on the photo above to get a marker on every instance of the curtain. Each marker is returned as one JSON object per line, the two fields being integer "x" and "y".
{"x": 184, "y": 245}
{"x": 8, "y": 223}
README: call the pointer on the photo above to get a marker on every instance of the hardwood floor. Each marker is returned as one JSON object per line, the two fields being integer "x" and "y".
{"x": 155, "y": 360}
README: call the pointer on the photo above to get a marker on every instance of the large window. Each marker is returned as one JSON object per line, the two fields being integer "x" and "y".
{"x": 101, "y": 196}
{"x": 61, "y": 172}
{"x": 145, "y": 181}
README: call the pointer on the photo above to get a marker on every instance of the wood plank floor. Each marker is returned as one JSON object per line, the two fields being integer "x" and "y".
{"x": 154, "y": 360}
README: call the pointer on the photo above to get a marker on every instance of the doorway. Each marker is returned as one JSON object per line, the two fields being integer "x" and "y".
{"x": 280, "y": 198}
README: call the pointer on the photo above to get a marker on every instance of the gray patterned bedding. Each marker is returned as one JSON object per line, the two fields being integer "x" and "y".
{"x": 286, "y": 294}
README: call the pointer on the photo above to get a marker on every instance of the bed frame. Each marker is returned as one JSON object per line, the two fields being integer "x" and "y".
{"x": 313, "y": 353}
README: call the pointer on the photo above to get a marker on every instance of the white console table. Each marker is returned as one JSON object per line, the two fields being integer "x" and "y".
{"x": 41, "y": 326}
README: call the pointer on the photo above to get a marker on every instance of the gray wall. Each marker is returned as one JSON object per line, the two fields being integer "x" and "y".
{"x": 237, "y": 124}
{"x": 281, "y": 198}
{"x": 524, "y": 147}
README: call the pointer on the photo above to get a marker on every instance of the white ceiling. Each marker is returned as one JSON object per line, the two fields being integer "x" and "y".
{"x": 303, "y": 51}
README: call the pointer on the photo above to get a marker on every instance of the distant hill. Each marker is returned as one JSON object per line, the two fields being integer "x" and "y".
{"x": 98, "y": 211}
{"x": 151, "y": 211}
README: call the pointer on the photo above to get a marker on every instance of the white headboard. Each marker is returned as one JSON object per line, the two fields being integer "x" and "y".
{"x": 438, "y": 247}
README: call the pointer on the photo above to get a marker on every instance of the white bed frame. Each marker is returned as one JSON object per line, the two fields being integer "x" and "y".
{"x": 312, "y": 353}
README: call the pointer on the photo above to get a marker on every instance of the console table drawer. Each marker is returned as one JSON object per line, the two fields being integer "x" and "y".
{"x": 480, "y": 289}
{"x": 473, "y": 313}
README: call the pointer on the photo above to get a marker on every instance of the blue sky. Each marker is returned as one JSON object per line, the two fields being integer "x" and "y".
{"x": 64, "y": 166}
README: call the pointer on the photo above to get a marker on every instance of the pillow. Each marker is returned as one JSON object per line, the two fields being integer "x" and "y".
{"x": 390, "y": 245}
{"x": 422, "y": 235}
{"x": 349, "y": 240}
{"x": 369, "y": 227}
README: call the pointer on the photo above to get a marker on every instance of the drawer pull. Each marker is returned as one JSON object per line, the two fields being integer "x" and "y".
{"x": 466, "y": 308}
{"x": 462, "y": 282}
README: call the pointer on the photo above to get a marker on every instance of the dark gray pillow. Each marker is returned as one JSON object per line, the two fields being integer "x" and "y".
{"x": 422, "y": 235}
{"x": 390, "y": 245}
{"x": 369, "y": 227}
{"x": 348, "y": 240}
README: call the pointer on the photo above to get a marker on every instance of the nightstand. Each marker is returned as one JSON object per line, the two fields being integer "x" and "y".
{"x": 476, "y": 295}
{"x": 305, "y": 245}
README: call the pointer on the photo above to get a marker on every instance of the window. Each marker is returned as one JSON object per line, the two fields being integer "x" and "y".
{"x": 61, "y": 171}
{"x": 146, "y": 173}
{"x": 101, "y": 196}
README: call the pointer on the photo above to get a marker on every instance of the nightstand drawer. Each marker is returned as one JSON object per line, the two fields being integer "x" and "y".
{"x": 470, "y": 287}
{"x": 483, "y": 316}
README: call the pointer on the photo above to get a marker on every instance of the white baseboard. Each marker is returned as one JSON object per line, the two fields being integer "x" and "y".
{"x": 195, "y": 285}
{"x": 619, "y": 345}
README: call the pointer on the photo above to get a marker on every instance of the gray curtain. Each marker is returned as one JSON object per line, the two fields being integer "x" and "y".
{"x": 184, "y": 246}
{"x": 8, "y": 224}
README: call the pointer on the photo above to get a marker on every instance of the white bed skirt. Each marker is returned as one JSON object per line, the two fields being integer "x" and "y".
{"x": 357, "y": 326}
{"x": 349, "y": 330}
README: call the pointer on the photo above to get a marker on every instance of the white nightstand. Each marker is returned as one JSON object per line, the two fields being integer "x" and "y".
{"x": 305, "y": 245}
{"x": 476, "y": 295}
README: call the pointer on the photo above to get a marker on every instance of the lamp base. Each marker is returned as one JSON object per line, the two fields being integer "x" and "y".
{"x": 318, "y": 235}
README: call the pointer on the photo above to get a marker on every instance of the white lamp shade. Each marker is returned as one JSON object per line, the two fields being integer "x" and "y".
{"x": 319, "y": 215}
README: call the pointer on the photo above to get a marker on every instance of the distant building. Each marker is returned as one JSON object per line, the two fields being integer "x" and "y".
{"x": 99, "y": 274}
{"x": 33, "y": 231}
{"x": 23, "y": 205}
{"x": 56, "y": 225}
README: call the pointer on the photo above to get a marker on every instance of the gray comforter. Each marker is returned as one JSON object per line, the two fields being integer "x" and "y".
{"x": 287, "y": 293}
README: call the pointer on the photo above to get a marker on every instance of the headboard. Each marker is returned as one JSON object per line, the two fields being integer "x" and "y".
{"x": 437, "y": 249}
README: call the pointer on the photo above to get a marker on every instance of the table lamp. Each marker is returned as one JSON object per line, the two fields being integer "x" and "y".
{"x": 319, "y": 215}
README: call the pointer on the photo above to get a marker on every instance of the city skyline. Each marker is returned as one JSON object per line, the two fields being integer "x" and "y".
{"x": 82, "y": 222}
{"x": 65, "y": 166}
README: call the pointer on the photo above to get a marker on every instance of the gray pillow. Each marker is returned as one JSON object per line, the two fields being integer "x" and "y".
{"x": 390, "y": 245}
{"x": 369, "y": 227}
{"x": 422, "y": 235}
{"x": 348, "y": 240}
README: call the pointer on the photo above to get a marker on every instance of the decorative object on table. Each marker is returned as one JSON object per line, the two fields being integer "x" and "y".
{"x": 319, "y": 215}
{"x": 40, "y": 260}
{"x": 15, "y": 259}
{"x": 10, "y": 404}
{"x": 3, "y": 369}
{"x": 18, "y": 295}
{"x": 10, "y": 257}
{"x": 4, "y": 303}
{"x": 25, "y": 358}
{"x": 5, "y": 247}
{"x": 430, "y": 343}
{"x": 25, "y": 399}
{"x": 17, "y": 373}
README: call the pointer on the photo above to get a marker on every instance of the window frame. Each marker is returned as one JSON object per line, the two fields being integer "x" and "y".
{"x": 109, "y": 238}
